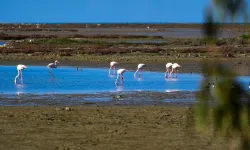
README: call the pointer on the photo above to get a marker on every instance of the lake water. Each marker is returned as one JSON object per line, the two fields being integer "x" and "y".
{"x": 2, "y": 42}
{"x": 37, "y": 80}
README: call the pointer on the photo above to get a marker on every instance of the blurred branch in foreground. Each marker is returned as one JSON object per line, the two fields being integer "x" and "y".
{"x": 229, "y": 10}
{"x": 223, "y": 102}
{"x": 210, "y": 28}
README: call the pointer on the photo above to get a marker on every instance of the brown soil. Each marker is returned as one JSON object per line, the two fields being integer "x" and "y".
{"x": 162, "y": 30}
{"x": 92, "y": 127}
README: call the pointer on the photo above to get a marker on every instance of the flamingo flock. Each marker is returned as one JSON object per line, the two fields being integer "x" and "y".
{"x": 170, "y": 68}
{"x": 174, "y": 69}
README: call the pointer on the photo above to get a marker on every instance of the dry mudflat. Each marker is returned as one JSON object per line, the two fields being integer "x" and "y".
{"x": 109, "y": 127}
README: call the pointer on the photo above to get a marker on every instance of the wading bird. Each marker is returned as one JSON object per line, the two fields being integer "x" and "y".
{"x": 175, "y": 67}
{"x": 78, "y": 68}
{"x": 52, "y": 66}
{"x": 19, "y": 70}
{"x": 112, "y": 67}
{"x": 140, "y": 68}
{"x": 120, "y": 76}
{"x": 168, "y": 65}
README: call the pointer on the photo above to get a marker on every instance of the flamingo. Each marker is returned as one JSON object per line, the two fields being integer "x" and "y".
{"x": 20, "y": 67}
{"x": 168, "y": 65}
{"x": 112, "y": 66}
{"x": 52, "y": 66}
{"x": 174, "y": 69}
{"x": 120, "y": 74}
{"x": 140, "y": 68}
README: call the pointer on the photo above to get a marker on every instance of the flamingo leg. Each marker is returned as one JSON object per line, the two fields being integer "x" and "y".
{"x": 122, "y": 79}
{"x": 176, "y": 73}
{"x": 170, "y": 74}
{"x": 50, "y": 71}
{"x": 166, "y": 73}
{"x": 141, "y": 72}
{"x": 21, "y": 75}
{"x": 116, "y": 81}
{"x": 135, "y": 73}
{"x": 21, "y": 81}
{"x": 17, "y": 76}
{"x": 110, "y": 69}
{"x": 114, "y": 69}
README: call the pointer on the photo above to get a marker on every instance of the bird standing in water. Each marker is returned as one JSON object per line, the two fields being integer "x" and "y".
{"x": 175, "y": 67}
{"x": 112, "y": 67}
{"x": 120, "y": 76}
{"x": 20, "y": 67}
{"x": 52, "y": 66}
{"x": 140, "y": 68}
{"x": 168, "y": 65}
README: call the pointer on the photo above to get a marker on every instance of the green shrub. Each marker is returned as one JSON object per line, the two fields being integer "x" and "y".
{"x": 245, "y": 36}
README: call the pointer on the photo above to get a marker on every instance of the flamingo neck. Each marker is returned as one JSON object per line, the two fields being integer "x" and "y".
{"x": 18, "y": 74}
{"x": 136, "y": 72}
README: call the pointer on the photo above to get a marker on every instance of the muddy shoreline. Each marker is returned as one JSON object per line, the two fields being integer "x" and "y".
{"x": 113, "y": 127}
{"x": 133, "y": 98}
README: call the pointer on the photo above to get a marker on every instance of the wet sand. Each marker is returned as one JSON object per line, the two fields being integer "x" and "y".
{"x": 144, "y": 98}
{"x": 109, "y": 127}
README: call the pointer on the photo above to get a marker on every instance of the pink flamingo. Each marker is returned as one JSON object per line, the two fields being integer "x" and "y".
{"x": 20, "y": 67}
{"x": 168, "y": 65}
{"x": 140, "y": 68}
{"x": 52, "y": 66}
{"x": 174, "y": 69}
{"x": 120, "y": 74}
{"x": 112, "y": 66}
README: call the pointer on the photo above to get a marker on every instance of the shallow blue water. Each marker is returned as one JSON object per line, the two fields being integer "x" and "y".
{"x": 37, "y": 80}
{"x": 2, "y": 42}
